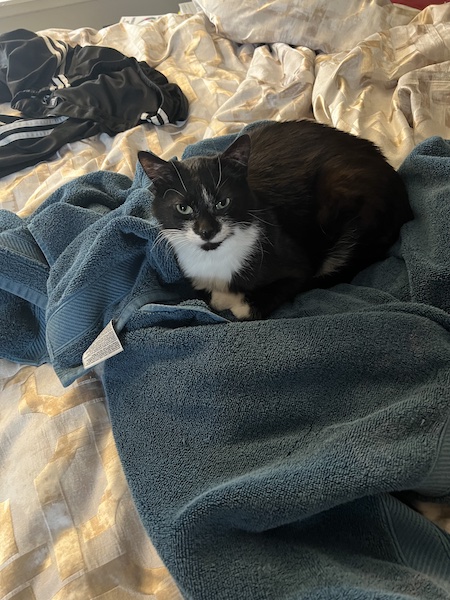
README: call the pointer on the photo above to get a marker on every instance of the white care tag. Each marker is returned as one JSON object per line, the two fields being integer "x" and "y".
{"x": 105, "y": 345}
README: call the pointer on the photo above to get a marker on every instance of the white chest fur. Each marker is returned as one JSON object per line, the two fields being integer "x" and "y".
{"x": 213, "y": 269}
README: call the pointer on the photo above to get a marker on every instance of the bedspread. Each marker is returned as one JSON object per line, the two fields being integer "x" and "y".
{"x": 218, "y": 459}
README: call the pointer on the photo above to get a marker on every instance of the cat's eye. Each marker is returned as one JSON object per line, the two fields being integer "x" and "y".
{"x": 184, "y": 209}
{"x": 223, "y": 203}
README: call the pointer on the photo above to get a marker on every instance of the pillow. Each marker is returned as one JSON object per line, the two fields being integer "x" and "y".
{"x": 317, "y": 24}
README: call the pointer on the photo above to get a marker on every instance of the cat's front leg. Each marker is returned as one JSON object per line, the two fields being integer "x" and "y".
{"x": 254, "y": 305}
{"x": 263, "y": 301}
{"x": 236, "y": 302}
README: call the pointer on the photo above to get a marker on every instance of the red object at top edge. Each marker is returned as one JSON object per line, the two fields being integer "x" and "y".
{"x": 420, "y": 4}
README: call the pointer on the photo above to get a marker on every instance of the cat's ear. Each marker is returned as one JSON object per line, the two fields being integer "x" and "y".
{"x": 156, "y": 168}
{"x": 239, "y": 150}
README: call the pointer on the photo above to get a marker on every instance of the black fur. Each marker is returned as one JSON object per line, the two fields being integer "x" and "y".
{"x": 320, "y": 198}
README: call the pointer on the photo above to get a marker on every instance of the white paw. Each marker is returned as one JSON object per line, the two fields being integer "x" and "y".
{"x": 230, "y": 301}
{"x": 241, "y": 310}
{"x": 222, "y": 300}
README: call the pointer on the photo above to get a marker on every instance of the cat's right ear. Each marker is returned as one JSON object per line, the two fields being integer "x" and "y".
{"x": 239, "y": 150}
{"x": 156, "y": 168}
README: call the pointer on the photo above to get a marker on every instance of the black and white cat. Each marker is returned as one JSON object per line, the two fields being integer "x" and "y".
{"x": 287, "y": 207}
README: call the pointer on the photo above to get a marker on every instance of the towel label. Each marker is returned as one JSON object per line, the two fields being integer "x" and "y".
{"x": 105, "y": 345}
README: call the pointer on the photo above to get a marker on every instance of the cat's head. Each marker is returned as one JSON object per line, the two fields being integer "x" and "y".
{"x": 202, "y": 201}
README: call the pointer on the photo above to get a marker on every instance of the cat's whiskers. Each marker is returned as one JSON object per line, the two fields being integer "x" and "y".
{"x": 172, "y": 240}
{"x": 175, "y": 238}
{"x": 258, "y": 242}
{"x": 262, "y": 251}
{"x": 267, "y": 240}
{"x": 178, "y": 242}
{"x": 251, "y": 212}
{"x": 220, "y": 173}
{"x": 173, "y": 190}
{"x": 179, "y": 174}
{"x": 160, "y": 239}
{"x": 261, "y": 235}
{"x": 222, "y": 184}
{"x": 260, "y": 210}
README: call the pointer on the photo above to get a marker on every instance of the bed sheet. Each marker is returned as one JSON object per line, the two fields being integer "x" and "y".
{"x": 68, "y": 526}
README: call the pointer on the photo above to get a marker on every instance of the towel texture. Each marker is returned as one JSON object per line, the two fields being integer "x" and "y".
{"x": 83, "y": 258}
{"x": 261, "y": 455}
{"x": 87, "y": 255}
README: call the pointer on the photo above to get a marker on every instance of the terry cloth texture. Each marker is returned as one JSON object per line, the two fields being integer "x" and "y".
{"x": 261, "y": 455}
{"x": 87, "y": 255}
{"x": 68, "y": 93}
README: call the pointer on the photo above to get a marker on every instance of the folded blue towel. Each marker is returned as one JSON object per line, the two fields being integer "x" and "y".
{"x": 261, "y": 455}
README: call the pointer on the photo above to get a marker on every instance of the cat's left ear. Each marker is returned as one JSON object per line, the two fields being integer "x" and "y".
{"x": 239, "y": 150}
{"x": 155, "y": 167}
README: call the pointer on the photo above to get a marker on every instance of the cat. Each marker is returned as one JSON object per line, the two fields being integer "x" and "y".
{"x": 287, "y": 207}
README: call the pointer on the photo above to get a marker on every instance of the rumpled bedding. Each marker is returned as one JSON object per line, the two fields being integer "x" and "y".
{"x": 70, "y": 93}
{"x": 68, "y": 525}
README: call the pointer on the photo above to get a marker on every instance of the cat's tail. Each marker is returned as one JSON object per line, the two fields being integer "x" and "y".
{"x": 340, "y": 254}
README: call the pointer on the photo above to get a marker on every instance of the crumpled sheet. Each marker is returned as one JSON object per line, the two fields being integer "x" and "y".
{"x": 68, "y": 526}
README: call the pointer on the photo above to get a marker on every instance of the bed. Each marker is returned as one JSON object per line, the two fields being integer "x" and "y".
{"x": 106, "y": 472}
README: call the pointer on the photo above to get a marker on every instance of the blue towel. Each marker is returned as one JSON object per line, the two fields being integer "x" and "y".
{"x": 88, "y": 255}
{"x": 267, "y": 459}
{"x": 274, "y": 459}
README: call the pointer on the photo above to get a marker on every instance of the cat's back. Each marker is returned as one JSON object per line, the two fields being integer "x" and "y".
{"x": 306, "y": 168}
{"x": 294, "y": 156}
{"x": 289, "y": 158}
{"x": 304, "y": 142}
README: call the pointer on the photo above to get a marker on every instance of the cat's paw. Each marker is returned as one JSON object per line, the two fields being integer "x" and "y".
{"x": 231, "y": 301}
{"x": 242, "y": 311}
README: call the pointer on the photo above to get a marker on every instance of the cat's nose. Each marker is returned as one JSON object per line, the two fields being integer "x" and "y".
{"x": 206, "y": 229}
{"x": 207, "y": 233}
